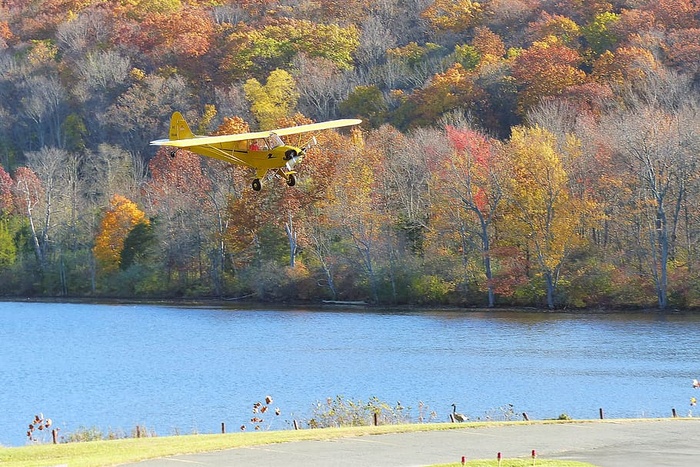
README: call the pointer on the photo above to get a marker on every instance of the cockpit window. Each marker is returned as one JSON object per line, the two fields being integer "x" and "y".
{"x": 274, "y": 140}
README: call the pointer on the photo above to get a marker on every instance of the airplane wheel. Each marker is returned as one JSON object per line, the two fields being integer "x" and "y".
{"x": 291, "y": 180}
{"x": 256, "y": 184}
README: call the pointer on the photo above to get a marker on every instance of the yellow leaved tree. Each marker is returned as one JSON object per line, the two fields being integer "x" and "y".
{"x": 141, "y": 8}
{"x": 274, "y": 100}
{"x": 543, "y": 216}
{"x": 122, "y": 215}
{"x": 454, "y": 16}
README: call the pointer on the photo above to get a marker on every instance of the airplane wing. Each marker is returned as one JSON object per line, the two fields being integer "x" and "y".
{"x": 209, "y": 140}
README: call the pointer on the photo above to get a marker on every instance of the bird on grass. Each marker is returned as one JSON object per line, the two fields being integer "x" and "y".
{"x": 458, "y": 417}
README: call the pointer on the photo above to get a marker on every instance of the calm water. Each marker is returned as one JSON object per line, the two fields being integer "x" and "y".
{"x": 189, "y": 369}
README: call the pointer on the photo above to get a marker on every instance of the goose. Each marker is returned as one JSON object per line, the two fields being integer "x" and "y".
{"x": 457, "y": 417}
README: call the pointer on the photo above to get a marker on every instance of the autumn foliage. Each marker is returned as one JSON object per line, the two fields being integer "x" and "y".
{"x": 512, "y": 152}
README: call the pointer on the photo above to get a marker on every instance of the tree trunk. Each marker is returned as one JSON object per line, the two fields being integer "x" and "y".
{"x": 662, "y": 282}
{"x": 550, "y": 289}
{"x": 292, "y": 237}
{"x": 486, "y": 251}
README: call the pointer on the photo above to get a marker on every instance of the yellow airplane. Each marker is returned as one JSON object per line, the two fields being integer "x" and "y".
{"x": 262, "y": 150}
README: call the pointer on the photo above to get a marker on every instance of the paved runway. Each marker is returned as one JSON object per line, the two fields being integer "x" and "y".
{"x": 671, "y": 442}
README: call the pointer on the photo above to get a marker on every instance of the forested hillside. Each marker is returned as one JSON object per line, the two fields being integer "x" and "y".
{"x": 512, "y": 152}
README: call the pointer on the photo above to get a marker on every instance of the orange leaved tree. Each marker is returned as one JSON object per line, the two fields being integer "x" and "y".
{"x": 6, "y": 197}
{"x": 122, "y": 215}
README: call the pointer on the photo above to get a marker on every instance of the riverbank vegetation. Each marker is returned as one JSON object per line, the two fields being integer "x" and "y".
{"x": 513, "y": 152}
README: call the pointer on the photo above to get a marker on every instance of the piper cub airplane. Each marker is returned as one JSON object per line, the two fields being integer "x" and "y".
{"x": 262, "y": 150}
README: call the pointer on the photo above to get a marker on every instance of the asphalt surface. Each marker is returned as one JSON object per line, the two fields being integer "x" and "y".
{"x": 671, "y": 442}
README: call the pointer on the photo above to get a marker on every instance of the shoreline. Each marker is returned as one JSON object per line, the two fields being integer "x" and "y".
{"x": 341, "y": 304}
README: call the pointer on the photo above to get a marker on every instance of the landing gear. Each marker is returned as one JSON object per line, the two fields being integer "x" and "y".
{"x": 290, "y": 179}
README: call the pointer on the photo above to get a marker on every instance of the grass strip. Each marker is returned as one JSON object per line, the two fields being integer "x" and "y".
{"x": 101, "y": 453}
{"x": 518, "y": 463}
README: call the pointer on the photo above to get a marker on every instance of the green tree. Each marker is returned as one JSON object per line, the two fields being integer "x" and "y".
{"x": 75, "y": 131}
{"x": 138, "y": 245}
{"x": 468, "y": 56}
{"x": 366, "y": 102}
{"x": 599, "y": 33}
{"x": 8, "y": 249}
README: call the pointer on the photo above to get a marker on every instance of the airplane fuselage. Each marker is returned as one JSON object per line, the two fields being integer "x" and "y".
{"x": 261, "y": 159}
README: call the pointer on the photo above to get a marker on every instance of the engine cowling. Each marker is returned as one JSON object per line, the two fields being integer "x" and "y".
{"x": 294, "y": 161}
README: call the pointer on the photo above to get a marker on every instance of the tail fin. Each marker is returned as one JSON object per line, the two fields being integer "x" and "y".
{"x": 179, "y": 129}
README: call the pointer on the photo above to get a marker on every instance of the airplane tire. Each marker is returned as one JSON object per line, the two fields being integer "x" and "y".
{"x": 291, "y": 180}
{"x": 256, "y": 185}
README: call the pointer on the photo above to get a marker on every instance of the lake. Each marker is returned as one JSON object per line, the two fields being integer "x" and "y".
{"x": 180, "y": 369}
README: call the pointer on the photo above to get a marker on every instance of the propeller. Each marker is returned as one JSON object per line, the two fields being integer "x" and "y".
{"x": 298, "y": 158}
{"x": 311, "y": 143}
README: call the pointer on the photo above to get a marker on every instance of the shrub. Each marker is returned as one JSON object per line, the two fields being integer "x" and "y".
{"x": 347, "y": 412}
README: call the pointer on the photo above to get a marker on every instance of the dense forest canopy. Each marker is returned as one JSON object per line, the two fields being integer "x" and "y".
{"x": 513, "y": 152}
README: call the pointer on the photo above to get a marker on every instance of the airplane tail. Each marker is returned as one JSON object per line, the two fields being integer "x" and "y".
{"x": 179, "y": 129}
